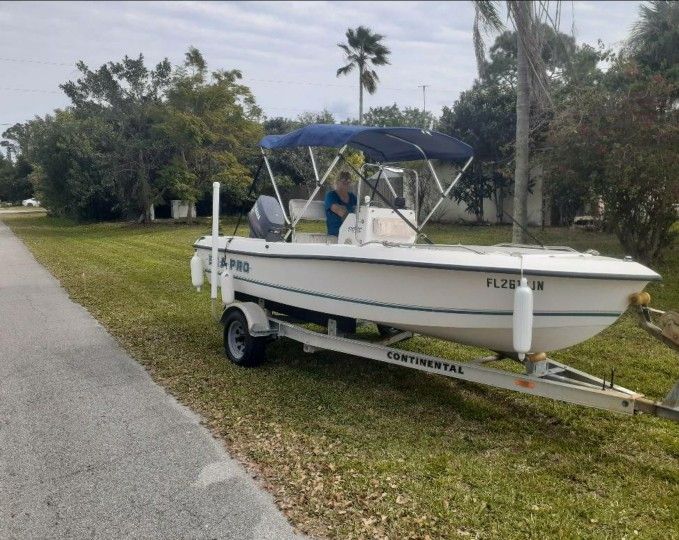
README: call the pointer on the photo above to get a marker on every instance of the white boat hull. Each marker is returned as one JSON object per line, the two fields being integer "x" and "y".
{"x": 436, "y": 292}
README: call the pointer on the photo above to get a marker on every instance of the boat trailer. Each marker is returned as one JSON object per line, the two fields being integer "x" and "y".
{"x": 249, "y": 326}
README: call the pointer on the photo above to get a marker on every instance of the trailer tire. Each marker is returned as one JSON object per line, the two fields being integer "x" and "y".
{"x": 242, "y": 348}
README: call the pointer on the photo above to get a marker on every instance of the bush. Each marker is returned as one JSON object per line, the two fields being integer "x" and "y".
{"x": 619, "y": 141}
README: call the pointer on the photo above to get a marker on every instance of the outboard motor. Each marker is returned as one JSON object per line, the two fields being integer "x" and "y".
{"x": 266, "y": 219}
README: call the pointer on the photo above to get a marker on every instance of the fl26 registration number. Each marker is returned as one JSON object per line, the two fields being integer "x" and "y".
{"x": 509, "y": 283}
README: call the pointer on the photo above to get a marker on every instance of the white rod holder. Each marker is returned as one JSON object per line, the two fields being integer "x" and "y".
{"x": 215, "y": 239}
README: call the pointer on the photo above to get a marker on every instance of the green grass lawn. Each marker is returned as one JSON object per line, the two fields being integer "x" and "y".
{"x": 353, "y": 448}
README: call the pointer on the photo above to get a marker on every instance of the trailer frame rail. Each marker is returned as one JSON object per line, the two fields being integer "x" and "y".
{"x": 545, "y": 377}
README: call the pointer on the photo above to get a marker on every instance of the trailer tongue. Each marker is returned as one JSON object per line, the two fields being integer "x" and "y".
{"x": 666, "y": 331}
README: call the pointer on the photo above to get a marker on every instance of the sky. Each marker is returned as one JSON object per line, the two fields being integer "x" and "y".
{"x": 287, "y": 51}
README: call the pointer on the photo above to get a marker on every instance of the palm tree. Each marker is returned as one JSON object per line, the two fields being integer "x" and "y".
{"x": 363, "y": 50}
{"x": 655, "y": 36}
{"x": 530, "y": 79}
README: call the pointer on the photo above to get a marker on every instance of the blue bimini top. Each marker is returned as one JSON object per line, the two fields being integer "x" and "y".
{"x": 380, "y": 144}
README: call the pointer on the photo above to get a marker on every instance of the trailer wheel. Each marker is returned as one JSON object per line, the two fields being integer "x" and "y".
{"x": 242, "y": 348}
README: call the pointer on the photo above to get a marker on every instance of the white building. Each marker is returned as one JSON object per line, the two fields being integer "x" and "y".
{"x": 452, "y": 212}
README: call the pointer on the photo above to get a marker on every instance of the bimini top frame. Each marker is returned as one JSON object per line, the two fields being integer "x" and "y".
{"x": 381, "y": 145}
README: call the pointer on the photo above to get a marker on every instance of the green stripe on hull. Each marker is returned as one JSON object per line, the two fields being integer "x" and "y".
{"x": 428, "y": 309}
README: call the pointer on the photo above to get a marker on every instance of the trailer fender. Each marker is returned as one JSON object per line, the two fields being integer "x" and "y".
{"x": 258, "y": 322}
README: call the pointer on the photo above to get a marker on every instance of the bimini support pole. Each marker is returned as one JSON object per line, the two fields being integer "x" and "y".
{"x": 447, "y": 191}
{"x": 385, "y": 201}
{"x": 319, "y": 183}
{"x": 380, "y": 167}
{"x": 313, "y": 164}
{"x": 275, "y": 186}
{"x": 424, "y": 156}
{"x": 214, "y": 267}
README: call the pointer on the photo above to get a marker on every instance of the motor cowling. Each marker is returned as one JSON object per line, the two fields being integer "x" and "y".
{"x": 266, "y": 219}
{"x": 522, "y": 321}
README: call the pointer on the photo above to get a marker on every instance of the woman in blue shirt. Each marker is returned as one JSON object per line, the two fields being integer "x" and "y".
{"x": 339, "y": 203}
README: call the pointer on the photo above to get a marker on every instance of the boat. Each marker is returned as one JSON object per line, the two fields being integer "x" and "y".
{"x": 382, "y": 268}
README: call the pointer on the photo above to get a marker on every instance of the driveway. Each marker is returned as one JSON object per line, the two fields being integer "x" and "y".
{"x": 22, "y": 210}
{"x": 90, "y": 446}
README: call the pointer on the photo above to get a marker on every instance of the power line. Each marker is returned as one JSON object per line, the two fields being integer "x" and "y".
{"x": 30, "y": 61}
{"x": 306, "y": 83}
{"x": 246, "y": 78}
{"x": 33, "y": 90}
{"x": 283, "y": 108}
{"x": 309, "y": 83}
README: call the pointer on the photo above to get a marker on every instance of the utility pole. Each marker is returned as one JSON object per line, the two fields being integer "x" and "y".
{"x": 424, "y": 96}
{"x": 424, "y": 100}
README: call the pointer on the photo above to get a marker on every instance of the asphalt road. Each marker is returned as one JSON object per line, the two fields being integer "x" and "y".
{"x": 90, "y": 446}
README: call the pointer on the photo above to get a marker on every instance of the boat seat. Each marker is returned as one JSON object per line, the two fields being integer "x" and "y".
{"x": 314, "y": 212}
{"x": 313, "y": 238}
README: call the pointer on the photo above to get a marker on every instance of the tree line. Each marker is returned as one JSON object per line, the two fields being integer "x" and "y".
{"x": 134, "y": 136}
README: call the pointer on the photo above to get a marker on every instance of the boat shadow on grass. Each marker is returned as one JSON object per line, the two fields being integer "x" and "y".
{"x": 392, "y": 414}
{"x": 419, "y": 404}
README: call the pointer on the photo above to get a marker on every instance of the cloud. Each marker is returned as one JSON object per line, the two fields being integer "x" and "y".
{"x": 270, "y": 42}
